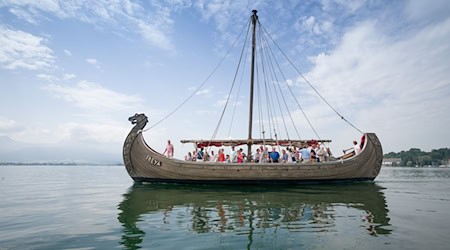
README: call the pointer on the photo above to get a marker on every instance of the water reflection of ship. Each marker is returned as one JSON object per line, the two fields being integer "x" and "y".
{"x": 228, "y": 209}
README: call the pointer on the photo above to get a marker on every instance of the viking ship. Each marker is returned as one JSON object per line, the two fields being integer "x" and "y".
{"x": 145, "y": 164}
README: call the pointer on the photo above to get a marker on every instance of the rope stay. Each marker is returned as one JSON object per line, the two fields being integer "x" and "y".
{"x": 259, "y": 98}
{"x": 239, "y": 88}
{"x": 271, "y": 57}
{"x": 310, "y": 85}
{"x": 293, "y": 95}
{"x": 275, "y": 80}
{"x": 231, "y": 89}
{"x": 266, "y": 84}
{"x": 201, "y": 85}
{"x": 270, "y": 75}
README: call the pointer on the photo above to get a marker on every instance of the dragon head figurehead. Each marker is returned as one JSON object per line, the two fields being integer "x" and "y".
{"x": 138, "y": 119}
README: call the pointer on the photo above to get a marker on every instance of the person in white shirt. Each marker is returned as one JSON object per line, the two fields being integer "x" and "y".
{"x": 233, "y": 155}
{"x": 356, "y": 147}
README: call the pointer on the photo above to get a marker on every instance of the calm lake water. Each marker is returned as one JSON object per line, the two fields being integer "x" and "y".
{"x": 99, "y": 207}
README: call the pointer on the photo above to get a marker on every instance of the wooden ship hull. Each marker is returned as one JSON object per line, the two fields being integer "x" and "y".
{"x": 146, "y": 165}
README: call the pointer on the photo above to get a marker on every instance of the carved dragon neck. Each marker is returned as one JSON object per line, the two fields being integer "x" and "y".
{"x": 140, "y": 120}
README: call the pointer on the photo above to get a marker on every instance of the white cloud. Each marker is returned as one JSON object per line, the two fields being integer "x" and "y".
{"x": 309, "y": 22}
{"x": 351, "y": 5}
{"x": 122, "y": 16}
{"x": 47, "y": 77}
{"x": 53, "y": 78}
{"x": 19, "y": 49}
{"x": 7, "y": 124}
{"x": 25, "y": 15}
{"x": 68, "y": 76}
{"x": 67, "y": 52}
{"x": 229, "y": 16}
{"x": 201, "y": 91}
{"x": 91, "y": 61}
{"x": 154, "y": 35}
{"x": 94, "y": 62}
{"x": 219, "y": 11}
{"x": 394, "y": 85}
{"x": 312, "y": 25}
{"x": 93, "y": 97}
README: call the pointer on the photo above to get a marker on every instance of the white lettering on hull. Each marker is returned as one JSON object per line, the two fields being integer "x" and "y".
{"x": 153, "y": 161}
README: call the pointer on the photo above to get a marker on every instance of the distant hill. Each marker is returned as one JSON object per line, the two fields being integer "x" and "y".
{"x": 14, "y": 151}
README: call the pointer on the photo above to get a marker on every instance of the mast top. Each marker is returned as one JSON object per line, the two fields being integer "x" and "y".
{"x": 254, "y": 16}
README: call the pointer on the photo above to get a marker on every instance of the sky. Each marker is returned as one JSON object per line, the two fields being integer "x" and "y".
{"x": 72, "y": 72}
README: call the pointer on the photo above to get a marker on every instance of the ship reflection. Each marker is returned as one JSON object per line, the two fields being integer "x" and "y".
{"x": 210, "y": 209}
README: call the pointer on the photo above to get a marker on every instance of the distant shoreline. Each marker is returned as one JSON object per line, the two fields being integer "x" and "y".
{"x": 57, "y": 164}
{"x": 121, "y": 164}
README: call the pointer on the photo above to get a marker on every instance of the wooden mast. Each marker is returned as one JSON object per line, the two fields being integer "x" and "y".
{"x": 252, "y": 77}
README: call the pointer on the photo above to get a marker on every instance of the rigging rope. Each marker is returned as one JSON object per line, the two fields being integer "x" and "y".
{"x": 199, "y": 87}
{"x": 292, "y": 93}
{"x": 231, "y": 89}
{"x": 260, "y": 111}
{"x": 269, "y": 113}
{"x": 275, "y": 79}
{"x": 306, "y": 80}
{"x": 238, "y": 91}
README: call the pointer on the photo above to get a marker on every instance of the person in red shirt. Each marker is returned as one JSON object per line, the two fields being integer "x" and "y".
{"x": 363, "y": 140}
{"x": 240, "y": 156}
{"x": 221, "y": 157}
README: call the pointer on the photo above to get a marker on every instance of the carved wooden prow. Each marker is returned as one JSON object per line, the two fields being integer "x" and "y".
{"x": 140, "y": 120}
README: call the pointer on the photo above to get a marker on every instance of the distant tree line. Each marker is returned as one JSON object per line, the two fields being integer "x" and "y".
{"x": 415, "y": 156}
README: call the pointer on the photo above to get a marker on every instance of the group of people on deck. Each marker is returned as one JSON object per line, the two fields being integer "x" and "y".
{"x": 313, "y": 153}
